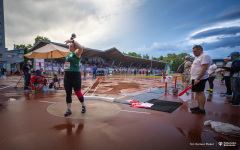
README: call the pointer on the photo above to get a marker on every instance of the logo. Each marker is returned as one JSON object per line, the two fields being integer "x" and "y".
{"x": 220, "y": 143}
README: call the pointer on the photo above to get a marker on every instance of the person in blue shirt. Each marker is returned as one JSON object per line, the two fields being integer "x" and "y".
{"x": 94, "y": 72}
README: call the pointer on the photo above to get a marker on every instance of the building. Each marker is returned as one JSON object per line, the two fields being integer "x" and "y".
{"x": 9, "y": 59}
{"x": 111, "y": 57}
{"x": 2, "y": 36}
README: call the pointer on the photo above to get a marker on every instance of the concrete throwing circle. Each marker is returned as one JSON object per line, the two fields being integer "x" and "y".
{"x": 95, "y": 109}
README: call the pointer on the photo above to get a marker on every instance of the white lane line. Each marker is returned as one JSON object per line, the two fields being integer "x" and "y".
{"x": 137, "y": 112}
{"x": 47, "y": 102}
{"x": 6, "y": 87}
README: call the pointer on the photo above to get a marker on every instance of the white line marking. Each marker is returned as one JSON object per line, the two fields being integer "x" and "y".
{"x": 136, "y": 112}
{"x": 6, "y": 87}
{"x": 47, "y": 102}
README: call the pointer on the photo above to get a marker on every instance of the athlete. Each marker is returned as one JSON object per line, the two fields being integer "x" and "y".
{"x": 72, "y": 76}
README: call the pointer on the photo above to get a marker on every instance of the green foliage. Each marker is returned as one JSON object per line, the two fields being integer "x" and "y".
{"x": 176, "y": 59}
{"x": 23, "y": 46}
{"x": 133, "y": 54}
{"x": 26, "y": 50}
{"x": 39, "y": 38}
{"x": 160, "y": 58}
{"x": 146, "y": 56}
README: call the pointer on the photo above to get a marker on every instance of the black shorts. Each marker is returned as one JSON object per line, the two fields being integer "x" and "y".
{"x": 72, "y": 80}
{"x": 200, "y": 86}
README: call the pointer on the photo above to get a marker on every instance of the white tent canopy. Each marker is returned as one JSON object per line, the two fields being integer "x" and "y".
{"x": 48, "y": 51}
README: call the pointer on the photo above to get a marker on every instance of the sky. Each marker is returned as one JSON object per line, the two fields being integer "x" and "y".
{"x": 153, "y": 27}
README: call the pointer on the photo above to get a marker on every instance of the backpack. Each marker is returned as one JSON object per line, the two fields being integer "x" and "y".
{"x": 181, "y": 68}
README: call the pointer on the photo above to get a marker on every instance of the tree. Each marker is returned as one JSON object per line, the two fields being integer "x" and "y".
{"x": 146, "y": 56}
{"x": 23, "y": 46}
{"x": 39, "y": 38}
{"x": 160, "y": 58}
{"x": 133, "y": 54}
{"x": 26, "y": 50}
{"x": 177, "y": 59}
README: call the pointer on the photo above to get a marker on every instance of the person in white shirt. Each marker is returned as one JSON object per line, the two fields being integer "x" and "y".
{"x": 227, "y": 77}
{"x": 212, "y": 75}
{"x": 199, "y": 76}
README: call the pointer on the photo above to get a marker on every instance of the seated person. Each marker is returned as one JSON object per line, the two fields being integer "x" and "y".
{"x": 37, "y": 83}
{"x": 55, "y": 80}
{"x": 39, "y": 72}
{"x": 51, "y": 85}
{"x": 17, "y": 73}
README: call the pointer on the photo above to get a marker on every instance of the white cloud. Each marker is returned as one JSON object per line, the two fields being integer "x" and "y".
{"x": 98, "y": 24}
{"x": 234, "y": 23}
{"x": 158, "y": 49}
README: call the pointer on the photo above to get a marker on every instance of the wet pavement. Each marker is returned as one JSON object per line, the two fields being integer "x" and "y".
{"x": 33, "y": 121}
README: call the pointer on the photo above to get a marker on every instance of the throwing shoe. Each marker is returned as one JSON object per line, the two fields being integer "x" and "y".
{"x": 68, "y": 112}
{"x": 83, "y": 109}
{"x": 194, "y": 108}
{"x": 199, "y": 111}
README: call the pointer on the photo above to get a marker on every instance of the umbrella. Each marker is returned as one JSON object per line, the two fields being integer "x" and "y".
{"x": 48, "y": 51}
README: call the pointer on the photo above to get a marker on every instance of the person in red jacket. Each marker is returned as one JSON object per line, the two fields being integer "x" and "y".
{"x": 37, "y": 83}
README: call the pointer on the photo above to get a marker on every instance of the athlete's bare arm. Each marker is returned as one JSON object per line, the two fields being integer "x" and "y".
{"x": 78, "y": 47}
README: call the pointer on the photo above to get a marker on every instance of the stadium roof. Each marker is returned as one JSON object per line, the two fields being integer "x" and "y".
{"x": 112, "y": 54}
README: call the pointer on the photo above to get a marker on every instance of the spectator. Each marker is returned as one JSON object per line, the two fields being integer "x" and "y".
{"x": 27, "y": 74}
{"x": 227, "y": 77}
{"x": 85, "y": 71}
{"x": 199, "y": 76}
{"x": 37, "y": 83}
{"x": 59, "y": 70}
{"x": 94, "y": 72}
{"x": 235, "y": 80}
{"x": 39, "y": 72}
{"x": 2, "y": 69}
{"x": 186, "y": 73}
{"x": 212, "y": 75}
